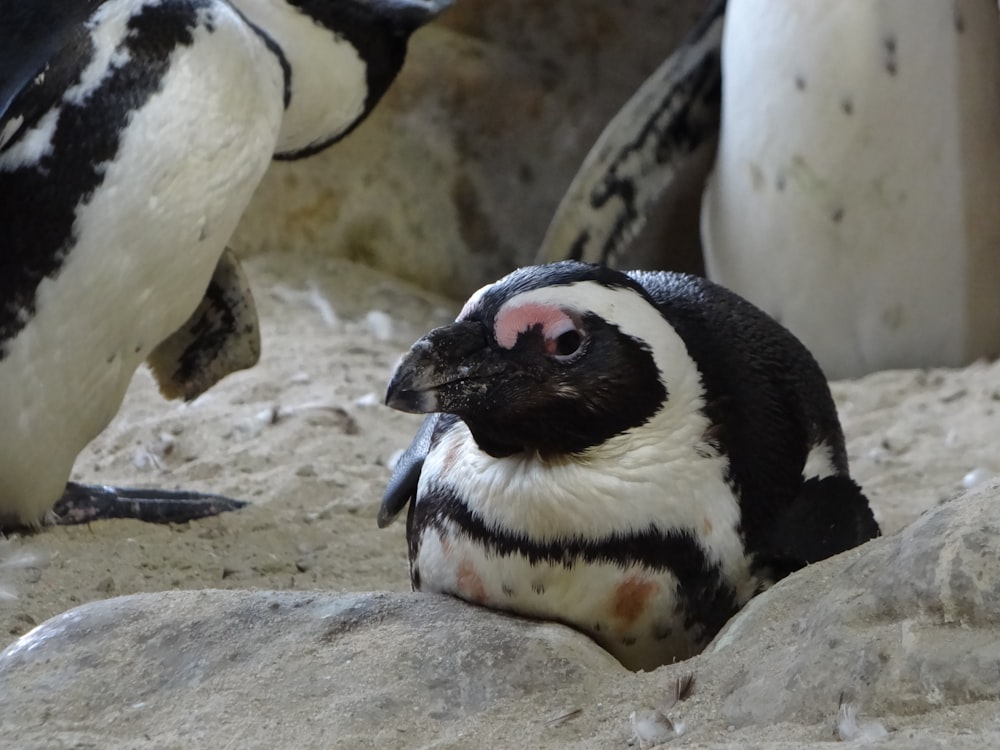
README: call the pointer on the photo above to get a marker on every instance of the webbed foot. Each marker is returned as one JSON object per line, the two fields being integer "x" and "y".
{"x": 82, "y": 503}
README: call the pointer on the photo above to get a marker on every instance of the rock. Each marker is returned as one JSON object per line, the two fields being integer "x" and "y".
{"x": 903, "y": 625}
{"x": 892, "y": 644}
{"x": 270, "y": 669}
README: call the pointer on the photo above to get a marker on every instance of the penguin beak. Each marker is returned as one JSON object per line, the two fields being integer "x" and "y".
{"x": 448, "y": 370}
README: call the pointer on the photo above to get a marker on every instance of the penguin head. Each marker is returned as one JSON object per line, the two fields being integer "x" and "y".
{"x": 337, "y": 76}
{"x": 551, "y": 359}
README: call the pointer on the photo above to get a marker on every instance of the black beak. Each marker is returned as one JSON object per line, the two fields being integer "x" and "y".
{"x": 448, "y": 370}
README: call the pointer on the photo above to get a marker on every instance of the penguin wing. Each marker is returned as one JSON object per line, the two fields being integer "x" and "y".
{"x": 829, "y": 516}
{"x": 642, "y": 151}
{"x": 221, "y": 336}
{"x": 405, "y": 477}
{"x": 755, "y": 373}
{"x": 43, "y": 48}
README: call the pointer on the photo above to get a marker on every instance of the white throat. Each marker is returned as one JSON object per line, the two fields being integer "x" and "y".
{"x": 328, "y": 77}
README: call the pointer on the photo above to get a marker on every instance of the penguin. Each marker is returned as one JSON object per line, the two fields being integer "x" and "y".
{"x": 132, "y": 136}
{"x": 851, "y": 145}
{"x": 633, "y": 454}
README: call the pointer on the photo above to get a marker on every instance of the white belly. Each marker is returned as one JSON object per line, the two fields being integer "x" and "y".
{"x": 630, "y": 611}
{"x": 149, "y": 240}
{"x": 624, "y": 488}
{"x": 855, "y": 191}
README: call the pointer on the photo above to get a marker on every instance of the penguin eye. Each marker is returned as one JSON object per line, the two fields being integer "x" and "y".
{"x": 568, "y": 343}
{"x": 564, "y": 341}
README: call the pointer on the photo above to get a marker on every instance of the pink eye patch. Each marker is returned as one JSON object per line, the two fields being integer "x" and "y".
{"x": 512, "y": 321}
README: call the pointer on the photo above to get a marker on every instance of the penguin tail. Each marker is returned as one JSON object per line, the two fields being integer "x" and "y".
{"x": 83, "y": 503}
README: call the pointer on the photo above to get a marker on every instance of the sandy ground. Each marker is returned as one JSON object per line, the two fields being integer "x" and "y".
{"x": 304, "y": 437}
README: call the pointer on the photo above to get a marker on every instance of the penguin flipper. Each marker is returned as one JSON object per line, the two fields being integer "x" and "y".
{"x": 221, "y": 336}
{"x": 642, "y": 151}
{"x": 83, "y": 503}
{"x": 829, "y": 516}
{"x": 406, "y": 476}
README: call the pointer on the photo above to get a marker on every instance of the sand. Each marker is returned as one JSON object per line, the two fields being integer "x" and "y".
{"x": 305, "y": 438}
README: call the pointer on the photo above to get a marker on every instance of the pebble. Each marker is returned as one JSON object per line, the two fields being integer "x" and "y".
{"x": 368, "y": 400}
{"x": 976, "y": 477}
{"x": 379, "y": 324}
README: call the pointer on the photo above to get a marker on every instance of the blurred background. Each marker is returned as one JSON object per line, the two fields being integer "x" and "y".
{"x": 454, "y": 178}
{"x": 881, "y": 120}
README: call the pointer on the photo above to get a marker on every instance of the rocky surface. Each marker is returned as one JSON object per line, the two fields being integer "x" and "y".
{"x": 904, "y": 626}
{"x": 893, "y": 643}
{"x": 450, "y": 183}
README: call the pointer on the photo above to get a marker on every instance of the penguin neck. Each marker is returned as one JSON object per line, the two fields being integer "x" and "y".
{"x": 325, "y": 77}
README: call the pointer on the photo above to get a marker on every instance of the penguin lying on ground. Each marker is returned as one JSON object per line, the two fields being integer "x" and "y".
{"x": 633, "y": 454}
{"x": 132, "y": 136}
{"x": 856, "y": 152}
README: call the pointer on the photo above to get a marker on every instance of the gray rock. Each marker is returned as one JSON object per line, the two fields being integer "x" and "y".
{"x": 901, "y": 629}
{"x": 903, "y": 625}
{"x": 269, "y": 669}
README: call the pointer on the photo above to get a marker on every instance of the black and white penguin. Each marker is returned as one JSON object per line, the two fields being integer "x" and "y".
{"x": 633, "y": 454}
{"x": 132, "y": 136}
{"x": 857, "y": 152}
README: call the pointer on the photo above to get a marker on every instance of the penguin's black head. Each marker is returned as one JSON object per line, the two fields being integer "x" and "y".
{"x": 550, "y": 359}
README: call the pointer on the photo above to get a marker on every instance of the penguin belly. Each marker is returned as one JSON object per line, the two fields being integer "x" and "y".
{"x": 630, "y": 611}
{"x": 563, "y": 541}
{"x": 146, "y": 242}
{"x": 854, "y": 192}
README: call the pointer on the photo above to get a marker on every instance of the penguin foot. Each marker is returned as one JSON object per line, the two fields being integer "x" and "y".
{"x": 82, "y": 503}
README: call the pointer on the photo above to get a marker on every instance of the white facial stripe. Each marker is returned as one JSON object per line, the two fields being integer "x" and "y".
{"x": 473, "y": 302}
{"x": 627, "y": 310}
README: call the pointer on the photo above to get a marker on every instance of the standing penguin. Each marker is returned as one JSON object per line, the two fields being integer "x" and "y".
{"x": 633, "y": 454}
{"x": 872, "y": 183}
{"x": 132, "y": 136}
{"x": 853, "y": 193}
